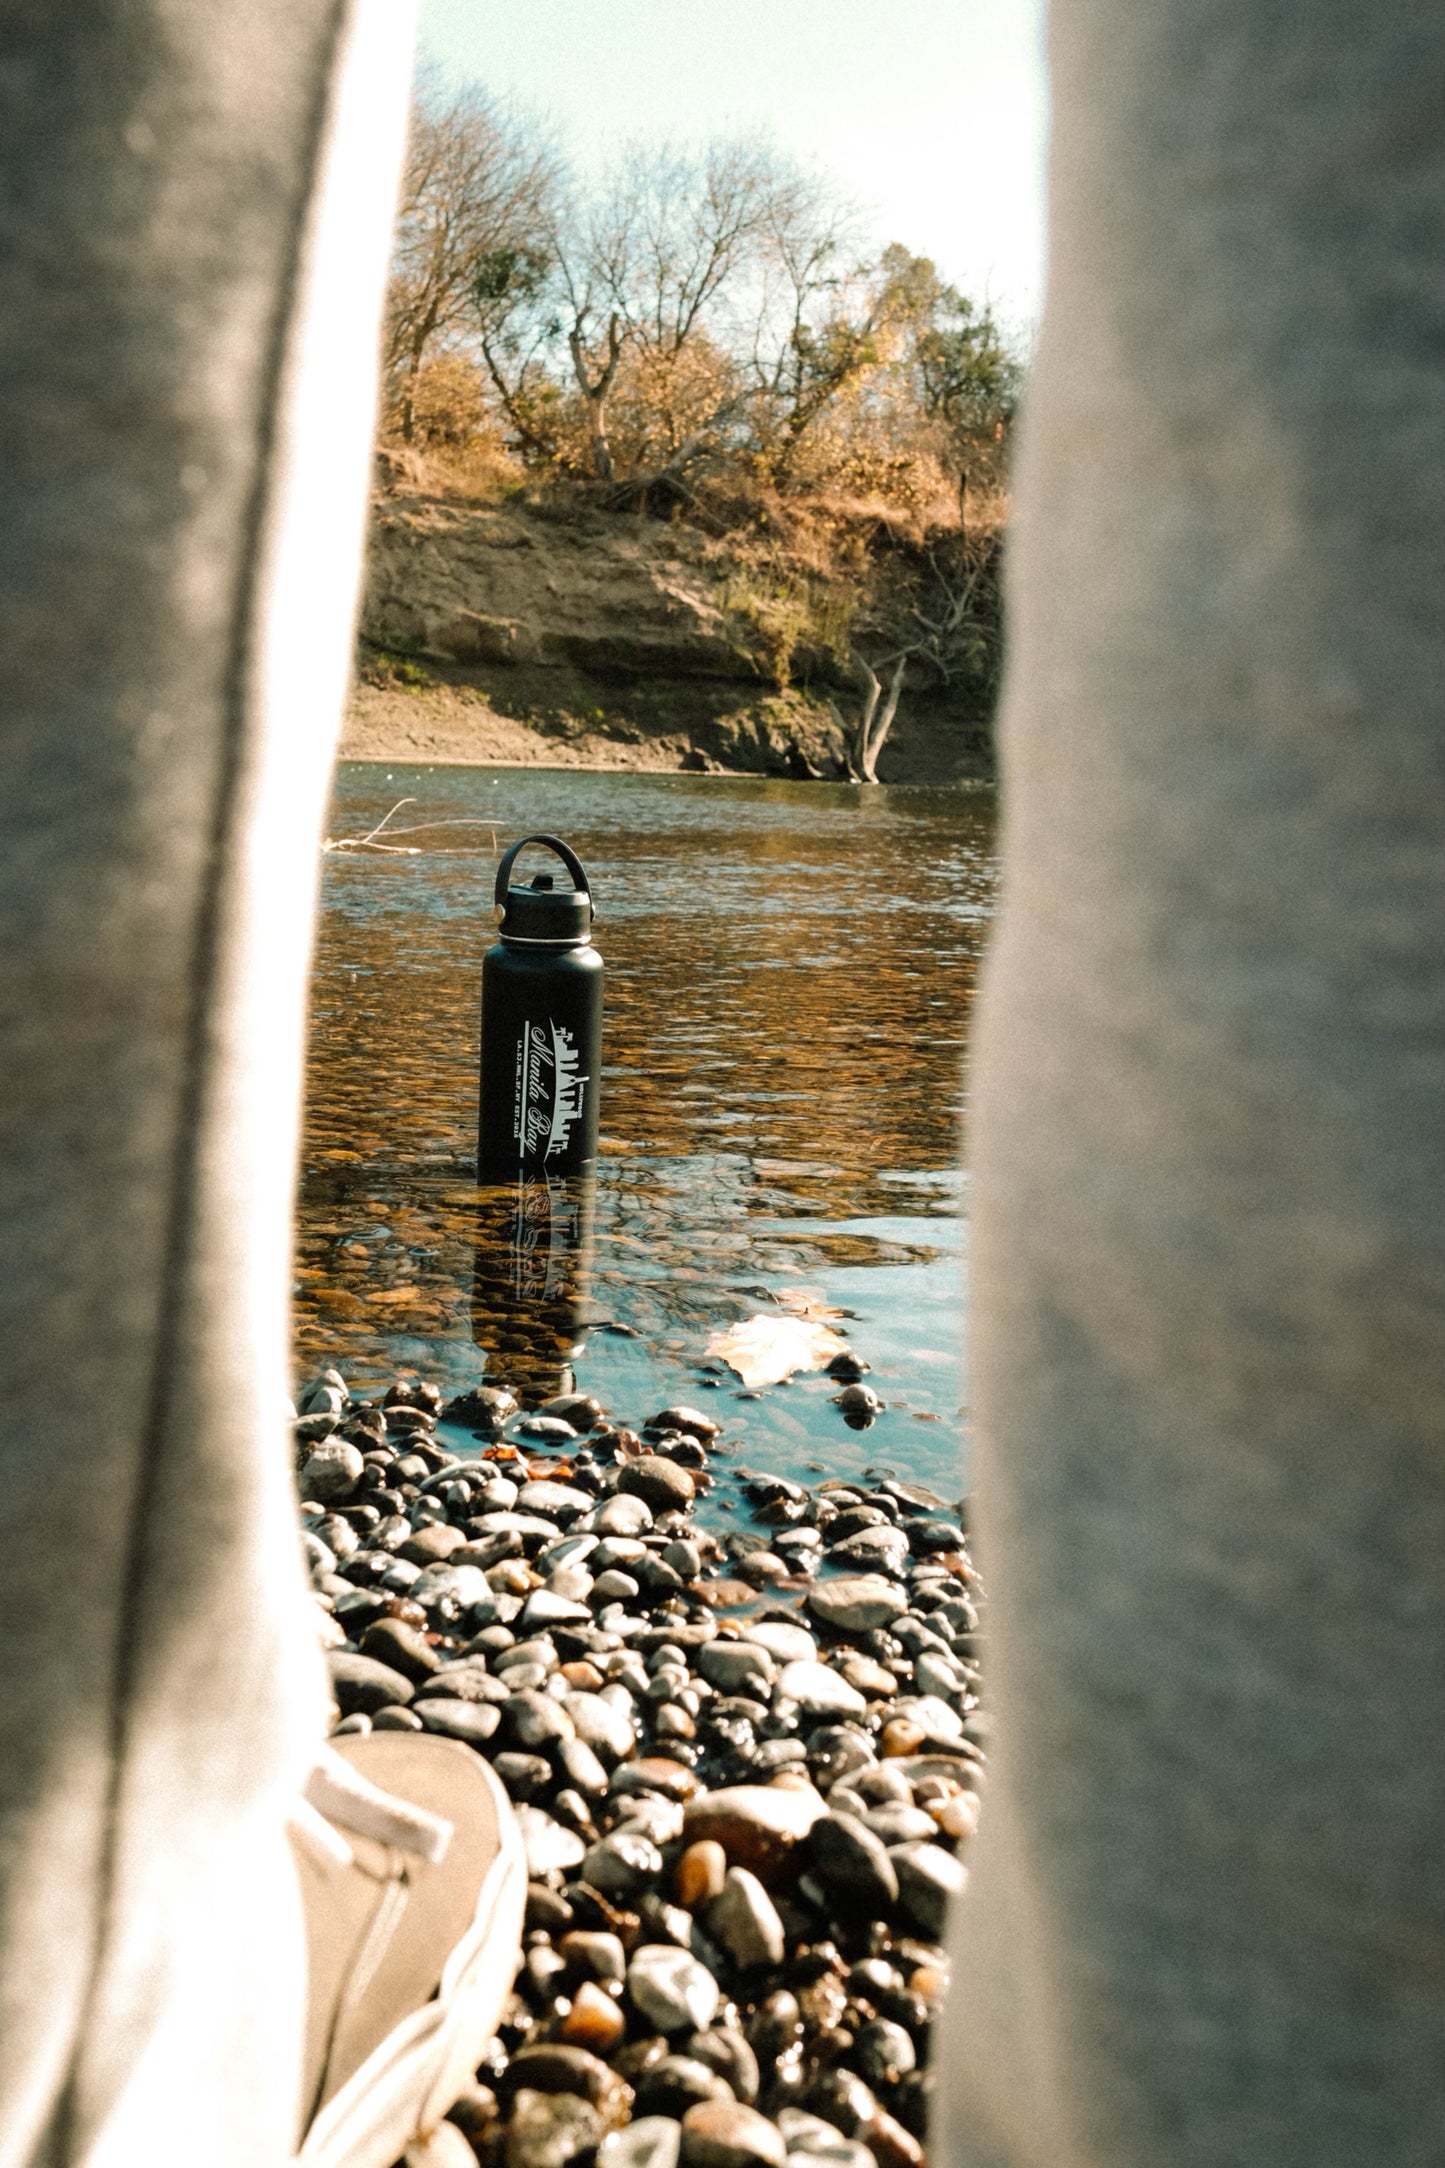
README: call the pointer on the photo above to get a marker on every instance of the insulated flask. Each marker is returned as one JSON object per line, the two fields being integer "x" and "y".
{"x": 541, "y": 1027}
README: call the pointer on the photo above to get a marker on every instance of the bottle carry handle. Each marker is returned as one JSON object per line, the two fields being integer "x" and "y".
{"x": 564, "y": 851}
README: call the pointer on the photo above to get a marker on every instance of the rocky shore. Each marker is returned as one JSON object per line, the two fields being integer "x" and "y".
{"x": 739, "y": 1721}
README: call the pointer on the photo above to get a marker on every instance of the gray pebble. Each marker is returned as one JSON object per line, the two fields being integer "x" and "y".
{"x": 928, "y": 1877}
{"x": 474, "y": 1723}
{"x": 332, "y": 1472}
{"x": 744, "y": 1919}
{"x": 622, "y": 1864}
{"x": 671, "y": 1989}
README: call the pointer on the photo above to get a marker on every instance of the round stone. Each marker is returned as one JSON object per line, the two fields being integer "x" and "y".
{"x": 534, "y": 1720}
{"x": 548, "y": 1845}
{"x": 361, "y": 1683}
{"x": 853, "y": 1862}
{"x": 654, "y": 1773}
{"x": 544, "y": 1430}
{"x": 758, "y": 1825}
{"x": 676, "y": 2083}
{"x": 684, "y": 1558}
{"x": 432, "y": 1543}
{"x": 544, "y": 1609}
{"x": 392, "y": 1641}
{"x": 857, "y": 1603}
{"x": 332, "y": 1472}
{"x": 594, "y": 2021}
{"x": 659, "y": 1483}
{"x": 397, "y": 1720}
{"x": 873, "y": 1680}
{"x": 725, "y": 2134}
{"x": 735, "y": 1666}
{"x": 473, "y": 1722}
{"x": 958, "y": 1817}
{"x": 700, "y": 1874}
{"x": 938, "y": 1723}
{"x": 883, "y": 1549}
{"x": 613, "y": 1586}
{"x": 784, "y": 1643}
{"x": 651, "y": 2142}
{"x": 607, "y": 1729}
{"x": 550, "y": 2130}
{"x": 690, "y": 1420}
{"x": 820, "y": 1691}
{"x": 744, "y": 1919}
{"x": 810, "y": 2140}
{"x": 671, "y": 1989}
{"x": 729, "y": 2054}
{"x": 594, "y": 1956}
{"x": 622, "y": 1864}
{"x": 623, "y": 1515}
{"x": 883, "y": 2052}
{"x": 928, "y": 1878}
{"x": 556, "y": 1501}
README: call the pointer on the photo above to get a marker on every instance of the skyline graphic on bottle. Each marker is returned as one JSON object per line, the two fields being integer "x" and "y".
{"x": 554, "y": 1090}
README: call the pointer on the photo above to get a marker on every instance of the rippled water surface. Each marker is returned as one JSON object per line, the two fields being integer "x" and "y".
{"x": 790, "y": 972}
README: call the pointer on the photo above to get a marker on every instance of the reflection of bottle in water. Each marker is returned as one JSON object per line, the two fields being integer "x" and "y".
{"x": 529, "y": 1284}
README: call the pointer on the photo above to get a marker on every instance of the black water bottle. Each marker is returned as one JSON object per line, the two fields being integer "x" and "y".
{"x": 541, "y": 1027}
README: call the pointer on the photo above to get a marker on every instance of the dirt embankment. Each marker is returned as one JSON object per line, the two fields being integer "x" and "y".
{"x": 579, "y": 638}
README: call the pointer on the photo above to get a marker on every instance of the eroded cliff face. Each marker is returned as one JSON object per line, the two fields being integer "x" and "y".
{"x": 591, "y": 628}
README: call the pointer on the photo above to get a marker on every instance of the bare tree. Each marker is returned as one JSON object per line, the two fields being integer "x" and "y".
{"x": 661, "y": 259}
{"x": 830, "y": 319}
{"x": 478, "y": 185}
{"x": 864, "y": 739}
{"x": 595, "y": 377}
{"x": 678, "y": 229}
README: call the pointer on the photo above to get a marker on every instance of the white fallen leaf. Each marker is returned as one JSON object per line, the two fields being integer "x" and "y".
{"x": 765, "y": 1350}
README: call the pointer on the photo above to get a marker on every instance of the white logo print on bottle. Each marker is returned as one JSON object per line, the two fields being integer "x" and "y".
{"x": 551, "y": 1091}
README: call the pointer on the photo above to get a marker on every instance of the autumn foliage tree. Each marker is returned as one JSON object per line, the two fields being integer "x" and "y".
{"x": 704, "y": 312}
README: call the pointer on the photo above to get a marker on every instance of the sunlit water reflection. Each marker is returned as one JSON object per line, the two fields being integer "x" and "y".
{"x": 790, "y": 971}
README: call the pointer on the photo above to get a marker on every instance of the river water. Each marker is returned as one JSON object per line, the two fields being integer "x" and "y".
{"x": 790, "y": 969}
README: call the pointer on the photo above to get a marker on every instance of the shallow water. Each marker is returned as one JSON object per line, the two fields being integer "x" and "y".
{"x": 790, "y": 972}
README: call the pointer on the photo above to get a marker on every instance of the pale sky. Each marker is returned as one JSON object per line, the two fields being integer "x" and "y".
{"x": 930, "y": 113}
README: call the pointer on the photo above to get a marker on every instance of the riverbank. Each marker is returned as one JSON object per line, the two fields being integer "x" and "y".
{"x": 552, "y": 633}
{"x": 457, "y": 726}
{"x": 739, "y": 1719}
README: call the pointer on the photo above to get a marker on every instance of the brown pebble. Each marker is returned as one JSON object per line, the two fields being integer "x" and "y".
{"x": 584, "y": 1676}
{"x": 958, "y": 1816}
{"x": 790, "y": 1779}
{"x": 656, "y": 1773}
{"x": 758, "y": 1825}
{"x": 594, "y": 2021}
{"x": 724, "y": 1593}
{"x": 870, "y": 1678}
{"x": 701, "y": 1873}
{"x": 890, "y": 2144}
{"x": 902, "y": 1736}
{"x": 725, "y": 2134}
{"x": 930, "y": 1982}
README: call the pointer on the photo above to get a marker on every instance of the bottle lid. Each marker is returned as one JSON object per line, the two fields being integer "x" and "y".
{"x": 541, "y": 911}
